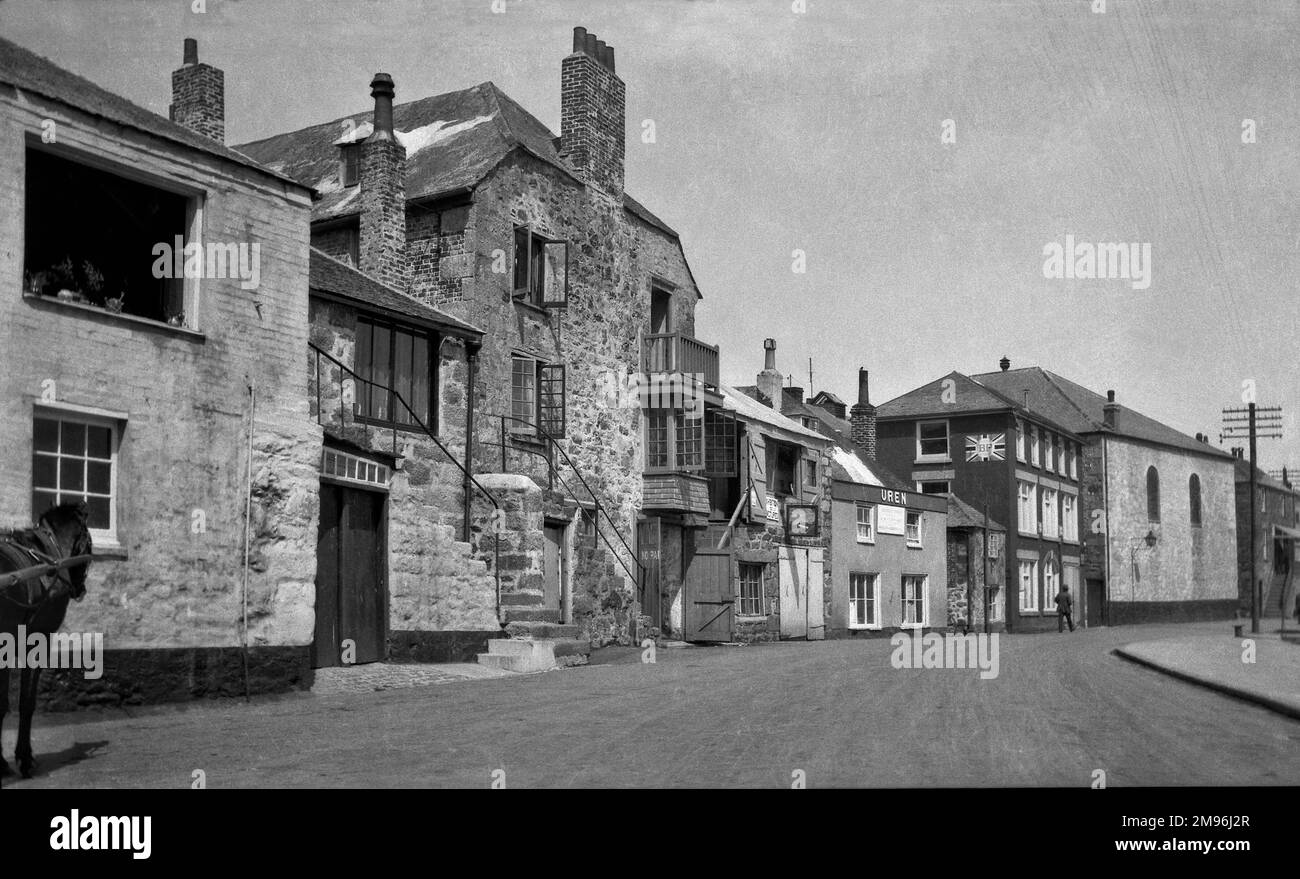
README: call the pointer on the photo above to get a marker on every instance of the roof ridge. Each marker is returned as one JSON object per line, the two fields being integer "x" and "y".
{"x": 1051, "y": 379}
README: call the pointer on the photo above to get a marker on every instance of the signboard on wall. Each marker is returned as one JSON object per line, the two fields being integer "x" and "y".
{"x": 986, "y": 447}
{"x": 891, "y": 520}
{"x": 773, "y": 509}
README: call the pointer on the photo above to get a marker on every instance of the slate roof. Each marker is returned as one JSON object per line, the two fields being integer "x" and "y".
{"x": 341, "y": 281}
{"x": 452, "y": 141}
{"x": 1082, "y": 411}
{"x": 963, "y": 515}
{"x": 749, "y": 408}
{"x": 1242, "y": 475}
{"x": 27, "y": 71}
{"x": 849, "y": 466}
{"x": 970, "y": 396}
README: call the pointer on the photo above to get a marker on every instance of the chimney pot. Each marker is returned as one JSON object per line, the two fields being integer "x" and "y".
{"x": 1005, "y": 363}
{"x": 864, "y": 394}
{"x": 382, "y": 90}
{"x": 590, "y": 46}
{"x": 199, "y": 95}
{"x": 1110, "y": 396}
{"x": 600, "y": 51}
{"x": 609, "y": 58}
{"x": 579, "y": 39}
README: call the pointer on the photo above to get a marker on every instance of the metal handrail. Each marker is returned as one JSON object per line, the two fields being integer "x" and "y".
{"x": 417, "y": 421}
{"x": 553, "y": 443}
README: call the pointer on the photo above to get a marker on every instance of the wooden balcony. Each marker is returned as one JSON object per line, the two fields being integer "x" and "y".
{"x": 677, "y": 352}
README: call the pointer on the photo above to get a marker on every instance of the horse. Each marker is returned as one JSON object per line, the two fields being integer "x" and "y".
{"x": 39, "y": 602}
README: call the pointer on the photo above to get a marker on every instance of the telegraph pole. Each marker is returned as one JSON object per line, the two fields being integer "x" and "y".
{"x": 1251, "y": 419}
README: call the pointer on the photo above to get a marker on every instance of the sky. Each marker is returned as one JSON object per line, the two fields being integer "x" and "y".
{"x": 822, "y": 131}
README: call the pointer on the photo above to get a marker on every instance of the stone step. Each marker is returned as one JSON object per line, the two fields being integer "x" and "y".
{"x": 542, "y": 629}
{"x": 509, "y": 646}
{"x": 522, "y": 599}
{"x": 529, "y": 614}
{"x": 571, "y": 647}
{"x": 530, "y": 656}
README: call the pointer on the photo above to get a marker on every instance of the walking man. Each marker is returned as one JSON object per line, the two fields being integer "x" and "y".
{"x": 1064, "y": 606}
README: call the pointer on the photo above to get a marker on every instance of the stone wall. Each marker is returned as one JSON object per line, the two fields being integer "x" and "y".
{"x": 181, "y": 402}
{"x": 1188, "y": 563}
{"x": 434, "y": 584}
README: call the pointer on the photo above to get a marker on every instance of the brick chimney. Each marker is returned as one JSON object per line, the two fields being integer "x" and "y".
{"x": 383, "y": 193}
{"x": 791, "y": 396}
{"x": 1110, "y": 412}
{"x": 199, "y": 95}
{"x": 593, "y": 110}
{"x": 769, "y": 380}
{"x": 863, "y": 418}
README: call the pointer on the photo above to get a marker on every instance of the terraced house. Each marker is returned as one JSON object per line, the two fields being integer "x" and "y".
{"x": 467, "y": 204}
{"x": 165, "y": 400}
{"x": 956, "y": 435}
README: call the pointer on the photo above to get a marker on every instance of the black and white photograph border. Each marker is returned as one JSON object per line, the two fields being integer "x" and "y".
{"x": 367, "y": 424}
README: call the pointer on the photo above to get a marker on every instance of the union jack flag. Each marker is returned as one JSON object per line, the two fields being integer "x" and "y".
{"x": 986, "y": 447}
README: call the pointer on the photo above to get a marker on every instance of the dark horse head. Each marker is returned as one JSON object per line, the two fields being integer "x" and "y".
{"x": 67, "y": 524}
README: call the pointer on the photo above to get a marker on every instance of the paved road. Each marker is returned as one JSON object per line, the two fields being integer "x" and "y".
{"x": 1061, "y": 707}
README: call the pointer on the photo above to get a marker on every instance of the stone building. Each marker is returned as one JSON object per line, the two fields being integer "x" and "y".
{"x": 1158, "y": 506}
{"x": 776, "y": 547}
{"x": 976, "y": 569}
{"x": 1276, "y": 547}
{"x": 958, "y": 436}
{"x": 154, "y": 321}
{"x": 469, "y": 204}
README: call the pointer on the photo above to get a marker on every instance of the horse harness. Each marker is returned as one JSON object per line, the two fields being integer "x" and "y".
{"x": 15, "y": 548}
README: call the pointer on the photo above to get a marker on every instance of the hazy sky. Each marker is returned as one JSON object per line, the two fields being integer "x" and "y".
{"x": 821, "y": 131}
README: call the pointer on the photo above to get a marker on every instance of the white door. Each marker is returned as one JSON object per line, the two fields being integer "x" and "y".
{"x": 800, "y": 571}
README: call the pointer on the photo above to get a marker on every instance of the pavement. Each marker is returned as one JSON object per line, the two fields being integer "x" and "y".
{"x": 834, "y": 713}
{"x": 1262, "y": 668}
{"x": 376, "y": 676}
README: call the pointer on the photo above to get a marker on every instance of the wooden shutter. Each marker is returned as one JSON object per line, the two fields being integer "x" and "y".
{"x": 555, "y": 274}
{"x": 523, "y": 246}
{"x": 756, "y": 467}
{"x": 550, "y": 397}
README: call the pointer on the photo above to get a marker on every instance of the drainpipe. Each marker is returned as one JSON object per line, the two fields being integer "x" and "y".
{"x": 248, "y": 521}
{"x": 471, "y": 352}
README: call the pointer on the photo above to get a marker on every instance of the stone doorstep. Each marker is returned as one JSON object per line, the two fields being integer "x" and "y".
{"x": 519, "y": 655}
{"x": 517, "y": 614}
{"x": 542, "y": 629}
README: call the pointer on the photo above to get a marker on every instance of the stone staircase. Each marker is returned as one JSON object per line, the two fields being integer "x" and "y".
{"x": 1273, "y": 599}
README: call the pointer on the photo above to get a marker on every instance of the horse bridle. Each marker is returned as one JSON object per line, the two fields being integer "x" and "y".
{"x": 45, "y": 534}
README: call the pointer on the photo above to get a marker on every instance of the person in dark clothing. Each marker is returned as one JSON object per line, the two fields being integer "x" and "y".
{"x": 1064, "y": 608}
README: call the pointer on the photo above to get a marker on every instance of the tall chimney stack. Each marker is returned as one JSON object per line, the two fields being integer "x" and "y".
{"x": 199, "y": 95}
{"x": 593, "y": 112}
{"x": 863, "y": 418}
{"x": 383, "y": 193}
{"x": 770, "y": 382}
{"x": 1110, "y": 412}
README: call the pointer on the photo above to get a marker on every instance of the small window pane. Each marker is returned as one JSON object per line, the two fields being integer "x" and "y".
{"x": 46, "y": 438}
{"x": 98, "y": 509}
{"x": 98, "y": 441}
{"x": 72, "y": 475}
{"x": 98, "y": 477}
{"x": 73, "y": 439}
{"x": 45, "y": 471}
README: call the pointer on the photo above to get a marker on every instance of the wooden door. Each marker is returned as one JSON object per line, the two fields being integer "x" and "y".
{"x": 1094, "y": 610}
{"x": 816, "y": 595}
{"x": 649, "y": 550}
{"x": 792, "y": 568}
{"x": 351, "y": 583}
{"x": 553, "y": 569}
{"x": 708, "y": 600}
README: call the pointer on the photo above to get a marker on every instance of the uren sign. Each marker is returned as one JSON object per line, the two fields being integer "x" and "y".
{"x": 890, "y": 496}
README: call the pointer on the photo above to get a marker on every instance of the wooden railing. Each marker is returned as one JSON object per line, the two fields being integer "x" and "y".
{"x": 677, "y": 352}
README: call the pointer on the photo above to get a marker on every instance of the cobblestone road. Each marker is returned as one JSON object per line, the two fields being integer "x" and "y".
{"x": 1061, "y": 707}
